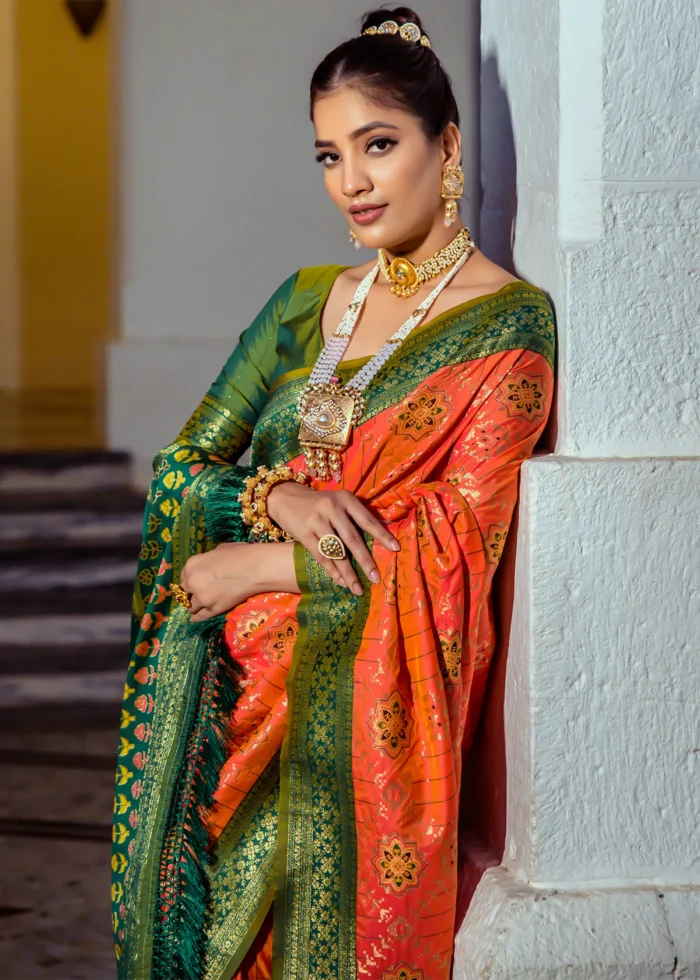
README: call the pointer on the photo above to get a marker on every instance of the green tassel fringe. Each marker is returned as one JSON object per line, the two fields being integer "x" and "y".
{"x": 183, "y": 903}
{"x": 222, "y": 509}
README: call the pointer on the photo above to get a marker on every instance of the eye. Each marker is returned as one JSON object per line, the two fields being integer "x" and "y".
{"x": 382, "y": 143}
{"x": 324, "y": 157}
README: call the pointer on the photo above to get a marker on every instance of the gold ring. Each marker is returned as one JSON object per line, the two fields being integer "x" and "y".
{"x": 330, "y": 546}
{"x": 180, "y": 595}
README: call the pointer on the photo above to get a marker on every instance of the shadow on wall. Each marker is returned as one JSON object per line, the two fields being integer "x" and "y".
{"x": 483, "y": 808}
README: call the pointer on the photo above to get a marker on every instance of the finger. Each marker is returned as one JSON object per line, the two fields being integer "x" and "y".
{"x": 354, "y": 542}
{"x": 343, "y": 566}
{"x": 196, "y": 605}
{"x": 368, "y": 522}
{"x": 327, "y": 564}
{"x": 203, "y": 612}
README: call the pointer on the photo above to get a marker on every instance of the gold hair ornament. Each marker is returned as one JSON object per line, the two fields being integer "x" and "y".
{"x": 408, "y": 31}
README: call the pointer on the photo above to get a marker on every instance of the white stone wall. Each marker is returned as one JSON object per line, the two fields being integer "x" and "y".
{"x": 221, "y": 198}
{"x": 601, "y": 873}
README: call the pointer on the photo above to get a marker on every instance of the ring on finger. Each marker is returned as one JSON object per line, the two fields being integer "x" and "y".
{"x": 330, "y": 546}
{"x": 180, "y": 595}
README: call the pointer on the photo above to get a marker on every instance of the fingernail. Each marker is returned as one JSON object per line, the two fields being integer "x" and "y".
{"x": 357, "y": 588}
{"x": 396, "y": 546}
{"x": 374, "y": 575}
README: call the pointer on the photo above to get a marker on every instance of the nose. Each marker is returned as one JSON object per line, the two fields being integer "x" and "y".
{"x": 355, "y": 180}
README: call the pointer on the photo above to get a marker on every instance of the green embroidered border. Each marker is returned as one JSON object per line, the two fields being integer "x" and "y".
{"x": 214, "y": 428}
{"x": 314, "y": 925}
{"x": 504, "y": 321}
{"x": 177, "y": 687}
{"x": 243, "y": 876}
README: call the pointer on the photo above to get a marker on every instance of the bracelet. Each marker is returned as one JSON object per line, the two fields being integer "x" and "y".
{"x": 254, "y": 499}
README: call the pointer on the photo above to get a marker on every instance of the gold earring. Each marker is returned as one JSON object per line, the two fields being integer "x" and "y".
{"x": 354, "y": 239}
{"x": 452, "y": 189}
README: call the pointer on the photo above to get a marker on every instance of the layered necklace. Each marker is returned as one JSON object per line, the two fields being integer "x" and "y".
{"x": 328, "y": 410}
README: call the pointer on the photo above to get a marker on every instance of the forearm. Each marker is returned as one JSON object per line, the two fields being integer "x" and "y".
{"x": 271, "y": 566}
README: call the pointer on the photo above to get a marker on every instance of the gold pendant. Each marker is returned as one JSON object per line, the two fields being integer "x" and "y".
{"x": 326, "y": 423}
{"x": 404, "y": 278}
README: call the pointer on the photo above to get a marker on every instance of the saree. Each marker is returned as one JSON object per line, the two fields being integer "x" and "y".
{"x": 288, "y": 781}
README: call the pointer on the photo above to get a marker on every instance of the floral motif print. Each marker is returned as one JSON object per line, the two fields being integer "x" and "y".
{"x": 251, "y": 625}
{"x": 398, "y": 863}
{"x": 451, "y": 647}
{"x": 281, "y": 639}
{"x": 523, "y": 396}
{"x": 404, "y": 972}
{"x": 391, "y": 724}
{"x": 421, "y": 413}
{"x": 495, "y": 542}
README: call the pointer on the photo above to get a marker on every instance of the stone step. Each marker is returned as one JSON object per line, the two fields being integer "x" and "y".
{"x": 48, "y": 659}
{"x": 109, "y": 500}
{"x": 64, "y": 572}
{"x": 51, "y": 472}
{"x": 113, "y": 598}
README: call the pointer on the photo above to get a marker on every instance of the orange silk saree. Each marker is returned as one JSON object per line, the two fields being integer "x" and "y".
{"x": 331, "y": 825}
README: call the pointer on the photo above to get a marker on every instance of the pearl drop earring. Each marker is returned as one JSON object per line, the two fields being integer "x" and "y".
{"x": 354, "y": 240}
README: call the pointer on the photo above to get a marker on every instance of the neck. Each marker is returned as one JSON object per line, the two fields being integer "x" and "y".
{"x": 421, "y": 246}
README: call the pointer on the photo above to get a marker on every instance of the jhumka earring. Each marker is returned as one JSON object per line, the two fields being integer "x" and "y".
{"x": 452, "y": 189}
{"x": 354, "y": 240}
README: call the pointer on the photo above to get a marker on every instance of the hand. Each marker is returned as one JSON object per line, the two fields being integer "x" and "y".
{"x": 220, "y": 579}
{"x": 308, "y": 514}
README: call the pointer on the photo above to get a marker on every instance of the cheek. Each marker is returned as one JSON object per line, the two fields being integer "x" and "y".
{"x": 332, "y": 182}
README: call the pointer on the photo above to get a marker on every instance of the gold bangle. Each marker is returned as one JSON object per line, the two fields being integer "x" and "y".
{"x": 254, "y": 499}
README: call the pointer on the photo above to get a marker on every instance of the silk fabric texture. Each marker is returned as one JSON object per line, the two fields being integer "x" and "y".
{"x": 331, "y": 844}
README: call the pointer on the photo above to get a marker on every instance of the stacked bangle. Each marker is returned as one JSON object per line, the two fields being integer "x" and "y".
{"x": 254, "y": 499}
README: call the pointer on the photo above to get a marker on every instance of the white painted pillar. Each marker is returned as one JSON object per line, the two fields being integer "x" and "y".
{"x": 590, "y": 122}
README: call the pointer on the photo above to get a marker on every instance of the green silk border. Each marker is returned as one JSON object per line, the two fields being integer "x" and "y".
{"x": 503, "y": 321}
{"x": 314, "y": 918}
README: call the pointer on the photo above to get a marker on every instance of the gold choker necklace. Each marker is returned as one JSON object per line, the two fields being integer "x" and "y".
{"x": 407, "y": 278}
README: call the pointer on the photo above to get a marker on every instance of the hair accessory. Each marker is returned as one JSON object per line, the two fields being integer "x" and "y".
{"x": 407, "y": 278}
{"x": 408, "y": 31}
{"x": 253, "y": 499}
{"x": 452, "y": 190}
{"x": 330, "y": 546}
{"x": 354, "y": 240}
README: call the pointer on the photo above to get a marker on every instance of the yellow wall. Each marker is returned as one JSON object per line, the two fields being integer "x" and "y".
{"x": 9, "y": 268}
{"x": 65, "y": 152}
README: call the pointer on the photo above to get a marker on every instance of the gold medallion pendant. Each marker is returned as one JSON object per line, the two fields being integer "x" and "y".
{"x": 404, "y": 278}
{"x": 328, "y": 414}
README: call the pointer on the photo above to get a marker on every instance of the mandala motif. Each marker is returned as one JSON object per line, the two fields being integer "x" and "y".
{"x": 523, "y": 397}
{"x": 251, "y": 625}
{"x": 281, "y": 639}
{"x": 404, "y": 972}
{"x": 398, "y": 864}
{"x": 451, "y": 647}
{"x": 421, "y": 413}
{"x": 391, "y": 725}
{"x": 495, "y": 542}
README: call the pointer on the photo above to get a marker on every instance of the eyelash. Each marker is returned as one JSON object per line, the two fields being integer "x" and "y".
{"x": 323, "y": 156}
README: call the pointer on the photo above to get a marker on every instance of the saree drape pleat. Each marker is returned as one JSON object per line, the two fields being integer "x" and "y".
{"x": 306, "y": 772}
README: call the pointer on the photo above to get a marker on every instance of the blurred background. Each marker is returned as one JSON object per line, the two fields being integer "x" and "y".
{"x": 157, "y": 183}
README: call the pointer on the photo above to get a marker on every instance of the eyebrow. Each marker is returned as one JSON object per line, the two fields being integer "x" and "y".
{"x": 356, "y": 133}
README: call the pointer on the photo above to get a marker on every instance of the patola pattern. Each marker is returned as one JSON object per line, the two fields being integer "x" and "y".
{"x": 363, "y": 819}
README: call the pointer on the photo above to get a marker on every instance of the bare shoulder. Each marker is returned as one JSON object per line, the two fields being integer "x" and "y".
{"x": 480, "y": 272}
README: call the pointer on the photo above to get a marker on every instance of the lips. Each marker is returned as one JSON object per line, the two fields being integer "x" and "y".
{"x": 366, "y": 215}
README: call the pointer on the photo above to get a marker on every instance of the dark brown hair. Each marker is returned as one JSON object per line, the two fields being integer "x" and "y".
{"x": 391, "y": 72}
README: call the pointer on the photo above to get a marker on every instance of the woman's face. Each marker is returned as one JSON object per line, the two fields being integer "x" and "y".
{"x": 376, "y": 156}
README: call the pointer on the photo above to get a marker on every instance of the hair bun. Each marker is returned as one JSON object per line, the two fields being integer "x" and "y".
{"x": 402, "y": 15}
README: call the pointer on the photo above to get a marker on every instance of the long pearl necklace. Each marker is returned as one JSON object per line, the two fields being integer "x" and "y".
{"x": 329, "y": 411}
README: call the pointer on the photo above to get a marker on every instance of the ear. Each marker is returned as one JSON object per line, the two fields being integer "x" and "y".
{"x": 451, "y": 145}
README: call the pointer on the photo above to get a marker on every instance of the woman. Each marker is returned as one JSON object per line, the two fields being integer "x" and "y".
{"x": 302, "y": 688}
